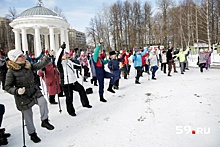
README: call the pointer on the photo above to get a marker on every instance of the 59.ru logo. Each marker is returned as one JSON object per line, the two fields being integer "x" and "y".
{"x": 189, "y": 130}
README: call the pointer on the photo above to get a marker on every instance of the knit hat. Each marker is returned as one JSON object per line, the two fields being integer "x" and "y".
{"x": 14, "y": 54}
{"x": 112, "y": 53}
{"x": 201, "y": 50}
{"x": 82, "y": 52}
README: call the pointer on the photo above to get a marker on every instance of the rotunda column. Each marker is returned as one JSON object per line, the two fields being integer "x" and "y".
{"x": 17, "y": 39}
{"x": 62, "y": 36}
{"x": 24, "y": 40}
{"x": 67, "y": 40}
{"x": 57, "y": 44}
{"x": 52, "y": 43}
{"x": 38, "y": 48}
{"x": 46, "y": 42}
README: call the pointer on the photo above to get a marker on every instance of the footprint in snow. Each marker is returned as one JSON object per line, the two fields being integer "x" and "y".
{"x": 107, "y": 118}
{"x": 141, "y": 118}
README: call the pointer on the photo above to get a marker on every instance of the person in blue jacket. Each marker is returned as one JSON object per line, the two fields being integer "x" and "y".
{"x": 137, "y": 60}
{"x": 113, "y": 66}
{"x": 98, "y": 59}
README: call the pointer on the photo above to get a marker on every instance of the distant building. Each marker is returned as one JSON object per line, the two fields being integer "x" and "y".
{"x": 6, "y": 34}
{"x": 77, "y": 39}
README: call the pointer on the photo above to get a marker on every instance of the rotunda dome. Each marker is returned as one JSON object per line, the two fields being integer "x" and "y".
{"x": 38, "y": 10}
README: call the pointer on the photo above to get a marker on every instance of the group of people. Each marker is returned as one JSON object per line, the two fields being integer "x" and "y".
{"x": 60, "y": 72}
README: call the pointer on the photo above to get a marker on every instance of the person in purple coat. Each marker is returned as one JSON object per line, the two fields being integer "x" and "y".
{"x": 113, "y": 66}
{"x": 208, "y": 59}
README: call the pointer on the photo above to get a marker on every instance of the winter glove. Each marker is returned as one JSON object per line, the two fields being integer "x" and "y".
{"x": 21, "y": 91}
{"x": 52, "y": 53}
{"x": 63, "y": 46}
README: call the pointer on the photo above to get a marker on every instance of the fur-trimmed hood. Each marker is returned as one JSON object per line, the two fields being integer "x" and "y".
{"x": 15, "y": 66}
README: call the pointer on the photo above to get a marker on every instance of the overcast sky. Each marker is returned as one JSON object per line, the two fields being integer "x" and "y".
{"x": 77, "y": 12}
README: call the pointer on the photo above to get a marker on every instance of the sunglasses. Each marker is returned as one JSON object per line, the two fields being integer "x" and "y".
{"x": 21, "y": 56}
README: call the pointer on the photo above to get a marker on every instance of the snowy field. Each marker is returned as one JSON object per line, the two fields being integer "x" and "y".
{"x": 162, "y": 113}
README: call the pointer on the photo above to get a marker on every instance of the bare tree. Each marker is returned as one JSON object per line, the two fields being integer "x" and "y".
{"x": 12, "y": 13}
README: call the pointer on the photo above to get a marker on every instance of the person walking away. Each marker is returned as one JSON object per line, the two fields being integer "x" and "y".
{"x": 20, "y": 83}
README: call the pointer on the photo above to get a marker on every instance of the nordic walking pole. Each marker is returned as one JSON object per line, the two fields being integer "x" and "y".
{"x": 42, "y": 86}
{"x": 22, "y": 112}
{"x": 54, "y": 69}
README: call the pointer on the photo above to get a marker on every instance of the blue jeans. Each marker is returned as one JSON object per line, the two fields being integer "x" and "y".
{"x": 154, "y": 69}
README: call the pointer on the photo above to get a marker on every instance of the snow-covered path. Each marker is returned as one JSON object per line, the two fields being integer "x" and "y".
{"x": 147, "y": 115}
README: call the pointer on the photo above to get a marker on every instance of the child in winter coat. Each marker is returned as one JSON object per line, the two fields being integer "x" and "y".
{"x": 99, "y": 61}
{"x": 20, "y": 83}
{"x": 137, "y": 59}
{"x": 69, "y": 81}
{"x": 153, "y": 63}
{"x": 113, "y": 66}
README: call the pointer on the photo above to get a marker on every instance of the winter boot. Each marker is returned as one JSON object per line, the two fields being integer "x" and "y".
{"x": 45, "y": 124}
{"x": 137, "y": 81}
{"x": 52, "y": 99}
{"x": 84, "y": 79}
{"x": 91, "y": 81}
{"x": 95, "y": 83}
{"x": 110, "y": 88}
{"x": 35, "y": 138}
{"x": 102, "y": 99}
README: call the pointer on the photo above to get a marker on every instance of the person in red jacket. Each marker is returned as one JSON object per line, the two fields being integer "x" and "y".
{"x": 52, "y": 79}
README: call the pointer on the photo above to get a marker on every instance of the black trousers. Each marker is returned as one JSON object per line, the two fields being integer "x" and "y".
{"x": 68, "y": 90}
{"x": 139, "y": 72}
{"x": 2, "y": 111}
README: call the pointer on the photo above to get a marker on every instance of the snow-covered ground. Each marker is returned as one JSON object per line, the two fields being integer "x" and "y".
{"x": 161, "y": 113}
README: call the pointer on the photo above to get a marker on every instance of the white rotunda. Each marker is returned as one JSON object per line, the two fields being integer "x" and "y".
{"x": 46, "y": 27}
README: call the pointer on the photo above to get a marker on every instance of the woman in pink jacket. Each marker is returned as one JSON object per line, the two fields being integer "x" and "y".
{"x": 52, "y": 79}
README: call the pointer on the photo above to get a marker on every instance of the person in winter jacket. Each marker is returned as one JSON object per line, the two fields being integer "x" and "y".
{"x": 93, "y": 71}
{"x": 137, "y": 59}
{"x": 163, "y": 61}
{"x": 113, "y": 66}
{"x": 77, "y": 65}
{"x": 208, "y": 60}
{"x": 3, "y": 68}
{"x": 182, "y": 58}
{"x": 84, "y": 62}
{"x": 202, "y": 59}
{"x": 69, "y": 81}
{"x": 33, "y": 60}
{"x": 51, "y": 77}
{"x": 170, "y": 61}
{"x": 3, "y": 135}
{"x": 153, "y": 63}
{"x": 20, "y": 83}
{"x": 99, "y": 62}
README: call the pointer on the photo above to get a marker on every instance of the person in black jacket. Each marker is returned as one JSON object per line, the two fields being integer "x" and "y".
{"x": 170, "y": 61}
{"x": 3, "y": 68}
